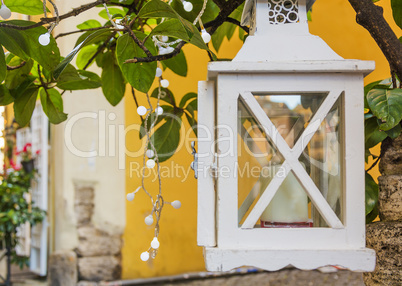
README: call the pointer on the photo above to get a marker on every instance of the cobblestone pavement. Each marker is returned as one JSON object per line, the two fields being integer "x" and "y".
{"x": 291, "y": 277}
{"x": 282, "y": 278}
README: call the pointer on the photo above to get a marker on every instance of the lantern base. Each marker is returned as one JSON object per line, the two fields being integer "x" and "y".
{"x": 358, "y": 260}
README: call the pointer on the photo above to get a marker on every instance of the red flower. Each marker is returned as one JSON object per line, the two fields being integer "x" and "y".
{"x": 26, "y": 147}
{"x": 37, "y": 152}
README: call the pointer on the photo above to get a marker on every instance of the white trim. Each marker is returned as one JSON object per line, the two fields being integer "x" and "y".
{"x": 206, "y": 231}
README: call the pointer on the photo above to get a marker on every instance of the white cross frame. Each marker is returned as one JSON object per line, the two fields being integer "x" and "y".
{"x": 291, "y": 160}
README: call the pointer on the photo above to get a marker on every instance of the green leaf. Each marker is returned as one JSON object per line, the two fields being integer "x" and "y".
{"x": 5, "y": 96}
{"x": 394, "y": 132}
{"x": 113, "y": 85}
{"x": 193, "y": 104}
{"x": 174, "y": 28}
{"x": 157, "y": 9}
{"x": 15, "y": 77}
{"x": 211, "y": 11}
{"x": 166, "y": 95}
{"x": 177, "y": 64}
{"x": 52, "y": 104}
{"x": 85, "y": 55}
{"x": 192, "y": 122}
{"x": 3, "y": 66}
{"x": 112, "y": 12}
{"x": 27, "y": 40}
{"x": 27, "y": 7}
{"x": 372, "y": 216}
{"x": 386, "y": 105}
{"x": 166, "y": 138}
{"x": 186, "y": 98}
{"x": 24, "y": 105}
{"x": 396, "y": 6}
{"x": 371, "y": 194}
{"x": 72, "y": 79}
{"x": 226, "y": 30}
{"x": 373, "y": 135}
{"x": 89, "y": 24}
{"x": 92, "y": 38}
{"x": 367, "y": 88}
{"x": 139, "y": 75}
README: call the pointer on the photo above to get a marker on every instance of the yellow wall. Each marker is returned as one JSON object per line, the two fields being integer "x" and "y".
{"x": 334, "y": 21}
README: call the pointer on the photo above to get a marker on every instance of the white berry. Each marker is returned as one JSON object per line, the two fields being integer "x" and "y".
{"x": 155, "y": 243}
{"x": 188, "y": 6}
{"x": 149, "y": 220}
{"x": 162, "y": 51}
{"x": 145, "y": 256}
{"x": 176, "y": 204}
{"x": 44, "y": 39}
{"x": 158, "y": 72}
{"x": 5, "y": 12}
{"x": 150, "y": 163}
{"x": 169, "y": 50}
{"x": 130, "y": 197}
{"x": 141, "y": 110}
{"x": 159, "y": 110}
{"x": 150, "y": 153}
{"x": 164, "y": 83}
{"x": 164, "y": 39}
{"x": 205, "y": 36}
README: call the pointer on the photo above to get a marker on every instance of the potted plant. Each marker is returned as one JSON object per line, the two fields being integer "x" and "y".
{"x": 15, "y": 211}
{"x": 27, "y": 160}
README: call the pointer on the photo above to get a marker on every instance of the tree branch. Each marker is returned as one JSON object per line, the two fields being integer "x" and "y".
{"x": 80, "y": 31}
{"x": 213, "y": 25}
{"x": 43, "y": 21}
{"x": 370, "y": 16}
{"x": 137, "y": 41}
{"x": 158, "y": 57}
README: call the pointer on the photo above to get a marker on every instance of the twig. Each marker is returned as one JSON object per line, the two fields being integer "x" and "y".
{"x": 158, "y": 57}
{"x": 80, "y": 31}
{"x": 16, "y": 67}
{"x": 234, "y": 21}
{"x": 375, "y": 163}
{"x": 137, "y": 41}
{"x": 100, "y": 49}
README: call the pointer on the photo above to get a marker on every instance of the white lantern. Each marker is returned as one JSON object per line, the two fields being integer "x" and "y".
{"x": 281, "y": 151}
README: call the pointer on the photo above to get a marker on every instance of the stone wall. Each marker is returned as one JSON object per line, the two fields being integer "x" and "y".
{"x": 385, "y": 236}
{"x": 98, "y": 254}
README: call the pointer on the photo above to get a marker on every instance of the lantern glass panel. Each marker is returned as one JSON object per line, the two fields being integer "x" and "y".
{"x": 323, "y": 155}
{"x": 290, "y": 113}
{"x": 256, "y": 152}
{"x": 259, "y": 159}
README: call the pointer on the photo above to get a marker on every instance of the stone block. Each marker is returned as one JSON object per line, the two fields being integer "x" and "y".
{"x": 84, "y": 194}
{"x": 63, "y": 268}
{"x": 83, "y": 213}
{"x": 94, "y": 242}
{"x": 99, "y": 268}
{"x": 391, "y": 161}
{"x": 386, "y": 239}
{"x": 390, "y": 197}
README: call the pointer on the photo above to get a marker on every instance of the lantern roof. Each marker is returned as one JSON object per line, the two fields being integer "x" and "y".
{"x": 280, "y": 41}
